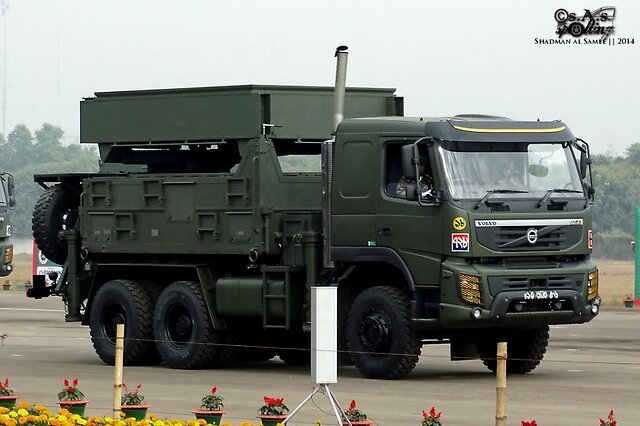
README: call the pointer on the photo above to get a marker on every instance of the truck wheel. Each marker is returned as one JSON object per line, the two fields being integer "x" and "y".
{"x": 55, "y": 211}
{"x": 379, "y": 337}
{"x": 525, "y": 349}
{"x": 126, "y": 302}
{"x": 186, "y": 338}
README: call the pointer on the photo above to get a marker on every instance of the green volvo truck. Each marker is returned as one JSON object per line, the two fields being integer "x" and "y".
{"x": 196, "y": 235}
{"x": 7, "y": 201}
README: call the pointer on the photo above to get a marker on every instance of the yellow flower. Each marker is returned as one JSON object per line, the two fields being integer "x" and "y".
{"x": 25, "y": 405}
{"x": 22, "y": 420}
{"x": 318, "y": 422}
{"x": 22, "y": 412}
{"x": 81, "y": 421}
{"x": 4, "y": 410}
{"x": 62, "y": 418}
{"x": 13, "y": 414}
{"x": 10, "y": 422}
{"x": 54, "y": 422}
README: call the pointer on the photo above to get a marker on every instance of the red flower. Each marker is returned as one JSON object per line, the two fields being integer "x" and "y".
{"x": 66, "y": 383}
{"x": 526, "y": 423}
{"x": 352, "y": 405}
{"x": 213, "y": 389}
{"x": 75, "y": 382}
{"x": 5, "y": 384}
{"x": 69, "y": 389}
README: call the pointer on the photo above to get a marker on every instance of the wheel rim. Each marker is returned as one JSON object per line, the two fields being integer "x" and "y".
{"x": 179, "y": 326}
{"x": 375, "y": 333}
{"x": 113, "y": 315}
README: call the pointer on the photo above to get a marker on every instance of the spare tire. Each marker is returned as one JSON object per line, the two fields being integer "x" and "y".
{"x": 55, "y": 211}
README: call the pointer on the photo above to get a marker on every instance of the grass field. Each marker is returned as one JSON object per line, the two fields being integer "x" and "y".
{"x": 616, "y": 278}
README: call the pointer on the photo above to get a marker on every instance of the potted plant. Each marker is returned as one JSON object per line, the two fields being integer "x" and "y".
{"x": 211, "y": 408}
{"x": 355, "y": 415}
{"x": 71, "y": 398}
{"x": 132, "y": 403}
{"x": 610, "y": 421}
{"x": 7, "y": 395}
{"x": 628, "y": 300}
{"x": 431, "y": 418}
{"x": 273, "y": 411}
{"x": 6, "y": 285}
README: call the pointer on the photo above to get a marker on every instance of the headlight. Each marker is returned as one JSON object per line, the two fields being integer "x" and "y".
{"x": 470, "y": 289}
{"x": 592, "y": 285}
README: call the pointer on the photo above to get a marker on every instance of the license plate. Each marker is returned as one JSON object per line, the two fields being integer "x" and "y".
{"x": 540, "y": 295}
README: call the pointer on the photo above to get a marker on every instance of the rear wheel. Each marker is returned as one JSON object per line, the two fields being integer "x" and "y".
{"x": 525, "y": 348}
{"x": 183, "y": 329}
{"x": 379, "y": 336}
{"x": 123, "y": 302}
{"x": 56, "y": 210}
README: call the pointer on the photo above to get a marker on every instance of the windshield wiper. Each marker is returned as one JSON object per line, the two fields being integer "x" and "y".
{"x": 546, "y": 196}
{"x": 497, "y": 191}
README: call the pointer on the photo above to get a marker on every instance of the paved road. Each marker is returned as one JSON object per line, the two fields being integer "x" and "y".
{"x": 589, "y": 369}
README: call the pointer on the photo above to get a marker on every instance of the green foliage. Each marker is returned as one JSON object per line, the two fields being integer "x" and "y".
{"x": 212, "y": 401}
{"x": 133, "y": 397}
{"x": 70, "y": 391}
{"x": 24, "y": 155}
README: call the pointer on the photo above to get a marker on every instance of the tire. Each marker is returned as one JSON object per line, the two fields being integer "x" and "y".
{"x": 128, "y": 302}
{"x": 379, "y": 337}
{"x": 183, "y": 329}
{"x": 525, "y": 348}
{"x": 55, "y": 211}
{"x": 576, "y": 29}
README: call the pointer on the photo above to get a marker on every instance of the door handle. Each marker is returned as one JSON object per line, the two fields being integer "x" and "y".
{"x": 384, "y": 232}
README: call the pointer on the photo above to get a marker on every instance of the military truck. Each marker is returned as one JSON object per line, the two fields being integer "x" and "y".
{"x": 7, "y": 201}
{"x": 195, "y": 235}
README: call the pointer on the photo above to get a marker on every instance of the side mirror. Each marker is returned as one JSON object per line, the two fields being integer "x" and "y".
{"x": 584, "y": 161}
{"x": 408, "y": 165}
{"x": 538, "y": 170}
{"x": 412, "y": 192}
{"x": 11, "y": 190}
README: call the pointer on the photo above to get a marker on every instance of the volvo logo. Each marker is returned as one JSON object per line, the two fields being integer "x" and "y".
{"x": 532, "y": 235}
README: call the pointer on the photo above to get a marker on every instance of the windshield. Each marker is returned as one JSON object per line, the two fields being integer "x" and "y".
{"x": 473, "y": 168}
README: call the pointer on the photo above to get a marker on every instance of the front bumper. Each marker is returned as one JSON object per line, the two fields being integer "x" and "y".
{"x": 526, "y": 297}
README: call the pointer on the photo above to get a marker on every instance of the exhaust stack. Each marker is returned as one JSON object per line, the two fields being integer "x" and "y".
{"x": 327, "y": 153}
{"x": 340, "y": 86}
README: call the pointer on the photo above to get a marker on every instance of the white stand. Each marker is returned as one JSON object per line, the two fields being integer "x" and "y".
{"x": 324, "y": 348}
{"x": 324, "y": 388}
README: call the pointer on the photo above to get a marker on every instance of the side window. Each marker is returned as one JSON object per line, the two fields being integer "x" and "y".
{"x": 395, "y": 183}
{"x": 393, "y": 170}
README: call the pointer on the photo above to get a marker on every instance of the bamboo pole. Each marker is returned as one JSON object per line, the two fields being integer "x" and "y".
{"x": 117, "y": 383}
{"x": 501, "y": 385}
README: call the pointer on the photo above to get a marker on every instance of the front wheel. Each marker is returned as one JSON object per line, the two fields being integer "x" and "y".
{"x": 379, "y": 337}
{"x": 525, "y": 349}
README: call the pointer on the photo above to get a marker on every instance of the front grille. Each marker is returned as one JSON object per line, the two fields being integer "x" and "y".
{"x": 498, "y": 284}
{"x": 514, "y": 238}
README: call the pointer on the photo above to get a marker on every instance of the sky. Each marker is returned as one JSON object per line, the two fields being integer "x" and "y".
{"x": 444, "y": 58}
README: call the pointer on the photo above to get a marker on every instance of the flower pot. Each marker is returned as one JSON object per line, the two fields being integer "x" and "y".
{"x": 209, "y": 416}
{"x": 628, "y": 303}
{"x": 361, "y": 422}
{"x": 8, "y": 401}
{"x": 272, "y": 420}
{"x": 74, "y": 406}
{"x": 6, "y": 286}
{"x": 138, "y": 412}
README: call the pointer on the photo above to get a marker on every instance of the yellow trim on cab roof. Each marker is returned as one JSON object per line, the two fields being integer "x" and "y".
{"x": 476, "y": 130}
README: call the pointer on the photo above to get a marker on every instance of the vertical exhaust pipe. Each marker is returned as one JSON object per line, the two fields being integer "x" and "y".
{"x": 327, "y": 153}
{"x": 340, "y": 86}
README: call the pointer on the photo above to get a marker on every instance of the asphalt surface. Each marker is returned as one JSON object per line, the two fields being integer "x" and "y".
{"x": 588, "y": 370}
